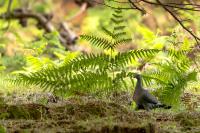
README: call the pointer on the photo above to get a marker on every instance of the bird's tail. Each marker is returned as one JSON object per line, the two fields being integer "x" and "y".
{"x": 160, "y": 105}
{"x": 164, "y": 106}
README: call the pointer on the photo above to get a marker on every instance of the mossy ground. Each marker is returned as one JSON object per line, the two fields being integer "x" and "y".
{"x": 89, "y": 114}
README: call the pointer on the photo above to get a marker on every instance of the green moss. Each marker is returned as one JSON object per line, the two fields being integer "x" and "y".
{"x": 188, "y": 119}
{"x": 86, "y": 114}
{"x": 17, "y": 112}
{"x": 28, "y": 111}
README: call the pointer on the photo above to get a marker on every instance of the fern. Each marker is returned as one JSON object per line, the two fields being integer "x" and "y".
{"x": 122, "y": 59}
{"x": 90, "y": 61}
{"x": 171, "y": 78}
{"x": 91, "y": 72}
{"x": 177, "y": 53}
{"x": 41, "y": 78}
{"x": 97, "y": 41}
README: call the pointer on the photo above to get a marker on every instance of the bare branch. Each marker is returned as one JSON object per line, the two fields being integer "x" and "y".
{"x": 175, "y": 6}
{"x": 167, "y": 6}
{"x": 179, "y": 21}
{"x": 138, "y": 8}
{"x": 67, "y": 37}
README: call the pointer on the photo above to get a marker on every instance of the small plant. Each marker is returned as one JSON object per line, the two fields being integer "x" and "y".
{"x": 172, "y": 75}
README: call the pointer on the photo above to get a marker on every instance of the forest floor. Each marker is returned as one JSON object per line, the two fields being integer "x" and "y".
{"x": 91, "y": 115}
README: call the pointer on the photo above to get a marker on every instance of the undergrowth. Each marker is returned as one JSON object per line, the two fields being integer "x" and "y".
{"x": 111, "y": 71}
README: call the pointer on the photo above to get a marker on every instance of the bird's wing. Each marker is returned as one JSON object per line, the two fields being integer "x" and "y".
{"x": 149, "y": 98}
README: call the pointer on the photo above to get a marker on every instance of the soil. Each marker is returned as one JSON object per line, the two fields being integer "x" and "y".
{"x": 91, "y": 115}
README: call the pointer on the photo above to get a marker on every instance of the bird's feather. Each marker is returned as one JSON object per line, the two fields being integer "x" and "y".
{"x": 149, "y": 98}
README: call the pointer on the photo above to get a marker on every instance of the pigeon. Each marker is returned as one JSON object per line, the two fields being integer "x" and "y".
{"x": 145, "y": 100}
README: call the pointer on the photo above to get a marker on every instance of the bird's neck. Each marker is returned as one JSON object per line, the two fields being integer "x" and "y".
{"x": 139, "y": 84}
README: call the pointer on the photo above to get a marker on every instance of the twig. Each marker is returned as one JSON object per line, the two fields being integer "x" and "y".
{"x": 123, "y": 8}
{"x": 138, "y": 8}
{"x": 80, "y": 12}
{"x": 179, "y": 21}
{"x": 195, "y": 7}
{"x": 172, "y": 6}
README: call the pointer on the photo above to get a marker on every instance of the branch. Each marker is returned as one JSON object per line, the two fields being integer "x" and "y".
{"x": 166, "y": 6}
{"x": 176, "y": 6}
{"x": 66, "y": 36}
{"x": 80, "y": 12}
{"x": 123, "y": 8}
{"x": 179, "y": 21}
{"x": 136, "y": 7}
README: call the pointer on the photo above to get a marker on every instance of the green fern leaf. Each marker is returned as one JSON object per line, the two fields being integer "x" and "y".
{"x": 100, "y": 42}
{"x": 122, "y": 59}
{"x": 90, "y": 61}
{"x": 119, "y": 28}
{"x": 118, "y": 42}
{"x": 117, "y": 15}
{"x": 107, "y": 32}
{"x": 117, "y": 21}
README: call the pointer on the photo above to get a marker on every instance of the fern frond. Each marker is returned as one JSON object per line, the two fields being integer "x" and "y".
{"x": 88, "y": 61}
{"x": 97, "y": 41}
{"x": 107, "y": 32}
{"x": 91, "y": 81}
{"x": 122, "y": 59}
{"x": 117, "y": 15}
{"x": 119, "y": 27}
{"x": 183, "y": 66}
{"x": 115, "y": 36}
{"x": 174, "y": 89}
{"x": 119, "y": 81}
{"x": 171, "y": 78}
{"x": 53, "y": 80}
{"x": 117, "y": 21}
{"x": 158, "y": 75}
{"x": 119, "y": 34}
{"x": 118, "y": 42}
{"x": 159, "y": 80}
{"x": 118, "y": 11}
{"x": 35, "y": 62}
{"x": 177, "y": 53}
{"x": 42, "y": 79}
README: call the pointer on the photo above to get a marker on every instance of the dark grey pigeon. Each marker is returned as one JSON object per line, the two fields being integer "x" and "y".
{"x": 145, "y": 100}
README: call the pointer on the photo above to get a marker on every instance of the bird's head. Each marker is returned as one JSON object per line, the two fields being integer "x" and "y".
{"x": 137, "y": 76}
